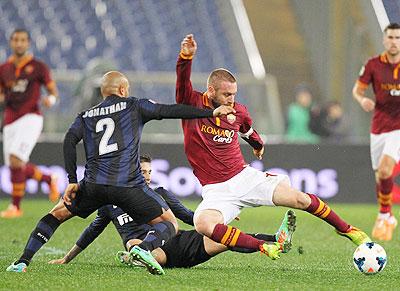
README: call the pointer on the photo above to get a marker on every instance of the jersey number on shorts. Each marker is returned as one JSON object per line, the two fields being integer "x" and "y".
{"x": 104, "y": 147}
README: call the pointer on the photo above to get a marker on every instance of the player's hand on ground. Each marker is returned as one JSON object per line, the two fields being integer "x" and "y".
{"x": 57, "y": 262}
{"x": 188, "y": 46}
{"x": 258, "y": 153}
{"x": 223, "y": 110}
{"x": 70, "y": 192}
{"x": 367, "y": 104}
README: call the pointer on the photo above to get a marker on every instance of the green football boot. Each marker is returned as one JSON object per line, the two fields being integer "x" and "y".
{"x": 140, "y": 255}
{"x": 285, "y": 232}
{"x": 18, "y": 268}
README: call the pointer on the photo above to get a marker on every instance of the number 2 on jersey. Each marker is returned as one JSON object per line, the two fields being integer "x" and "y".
{"x": 104, "y": 147}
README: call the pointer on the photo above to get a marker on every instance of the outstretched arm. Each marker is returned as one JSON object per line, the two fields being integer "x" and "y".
{"x": 180, "y": 211}
{"x": 184, "y": 89}
{"x": 151, "y": 110}
{"x": 87, "y": 237}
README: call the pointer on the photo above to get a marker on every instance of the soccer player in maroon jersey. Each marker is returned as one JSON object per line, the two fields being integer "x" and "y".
{"x": 212, "y": 148}
{"x": 21, "y": 78}
{"x": 383, "y": 73}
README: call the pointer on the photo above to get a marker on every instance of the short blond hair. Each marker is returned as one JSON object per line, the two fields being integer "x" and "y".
{"x": 219, "y": 75}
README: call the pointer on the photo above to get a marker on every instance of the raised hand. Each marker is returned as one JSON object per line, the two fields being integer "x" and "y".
{"x": 188, "y": 46}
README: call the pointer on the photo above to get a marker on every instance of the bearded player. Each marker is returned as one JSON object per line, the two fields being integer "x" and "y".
{"x": 21, "y": 78}
{"x": 383, "y": 73}
{"x": 229, "y": 185}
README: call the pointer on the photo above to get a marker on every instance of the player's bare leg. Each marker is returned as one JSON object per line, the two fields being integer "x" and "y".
{"x": 43, "y": 231}
{"x": 385, "y": 222}
{"x": 18, "y": 180}
{"x": 210, "y": 223}
{"x": 284, "y": 195}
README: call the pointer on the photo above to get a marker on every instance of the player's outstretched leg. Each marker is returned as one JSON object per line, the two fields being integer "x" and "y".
{"x": 284, "y": 195}
{"x": 209, "y": 223}
{"x": 285, "y": 232}
{"x": 320, "y": 209}
{"x": 145, "y": 257}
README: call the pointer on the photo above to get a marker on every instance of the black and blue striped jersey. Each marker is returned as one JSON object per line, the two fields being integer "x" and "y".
{"x": 111, "y": 133}
{"x": 126, "y": 227}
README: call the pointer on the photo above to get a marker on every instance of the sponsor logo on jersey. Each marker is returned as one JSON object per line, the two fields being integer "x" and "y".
{"x": 124, "y": 218}
{"x": 220, "y": 135}
{"x": 20, "y": 86}
{"x": 99, "y": 111}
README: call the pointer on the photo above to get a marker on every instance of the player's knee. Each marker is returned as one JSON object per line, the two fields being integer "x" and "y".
{"x": 202, "y": 225}
{"x": 384, "y": 172}
{"x": 61, "y": 212}
{"x": 301, "y": 200}
{"x": 15, "y": 162}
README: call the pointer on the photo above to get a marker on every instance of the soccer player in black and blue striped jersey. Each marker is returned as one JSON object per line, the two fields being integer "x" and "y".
{"x": 111, "y": 134}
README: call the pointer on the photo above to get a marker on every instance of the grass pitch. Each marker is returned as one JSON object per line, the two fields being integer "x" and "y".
{"x": 326, "y": 263}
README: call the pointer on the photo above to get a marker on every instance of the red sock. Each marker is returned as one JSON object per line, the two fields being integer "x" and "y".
{"x": 233, "y": 237}
{"x": 33, "y": 172}
{"x": 320, "y": 209}
{"x": 18, "y": 185}
{"x": 385, "y": 195}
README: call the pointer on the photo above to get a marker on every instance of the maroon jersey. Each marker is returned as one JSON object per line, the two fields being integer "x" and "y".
{"x": 211, "y": 144}
{"x": 21, "y": 86}
{"x": 385, "y": 80}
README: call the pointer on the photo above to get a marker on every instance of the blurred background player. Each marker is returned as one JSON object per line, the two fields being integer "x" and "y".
{"x": 383, "y": 72}
{"x": 186, "y": 249}
{"x": 228, "y": 184}
{"x": 21, "y": 78}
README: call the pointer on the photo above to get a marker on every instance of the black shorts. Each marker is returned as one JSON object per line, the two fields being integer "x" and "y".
{"x": 185, "y": 250}
{"x": 141, "y": 203}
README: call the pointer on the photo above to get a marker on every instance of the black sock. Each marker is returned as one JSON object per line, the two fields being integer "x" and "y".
{"x": 260, "y": 236}
{"x": 39, "y": 236}
{"x": 266, "y": 237}
{"x": 158, "y": 235}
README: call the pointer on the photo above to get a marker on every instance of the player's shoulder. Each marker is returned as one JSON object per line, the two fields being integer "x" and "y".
{"x": 376, "y": 60}
{"x": 160, "y": 190}
{"x": 39, "y": 63}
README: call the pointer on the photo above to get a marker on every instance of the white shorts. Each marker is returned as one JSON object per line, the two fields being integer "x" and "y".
{"x": 249, "y": 188}
{"x": 387, "y": 143}
{"x": 20, "y": 137}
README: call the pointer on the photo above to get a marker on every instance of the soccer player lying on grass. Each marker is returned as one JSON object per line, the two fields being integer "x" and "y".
{"x": 186, "y": 249}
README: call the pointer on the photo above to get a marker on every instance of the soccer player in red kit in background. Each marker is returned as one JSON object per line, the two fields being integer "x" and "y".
{"x": 213, "y": 150}
{"x": 21, "y": 77}
{"x": 383, "y": 72}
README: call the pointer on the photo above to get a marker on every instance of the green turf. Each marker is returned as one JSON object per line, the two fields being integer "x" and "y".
{"x": 326, "y": 263}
